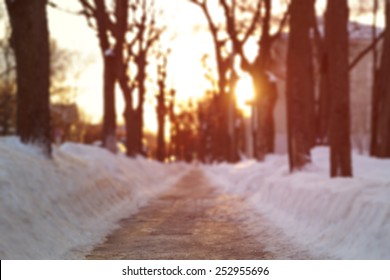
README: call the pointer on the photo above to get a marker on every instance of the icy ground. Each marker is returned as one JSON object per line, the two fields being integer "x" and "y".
{"x": 192, "y": 220}
{"x": 62, "y": 208}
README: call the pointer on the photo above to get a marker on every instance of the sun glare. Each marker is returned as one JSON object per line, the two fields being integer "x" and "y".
{"x": 244, "y": 94}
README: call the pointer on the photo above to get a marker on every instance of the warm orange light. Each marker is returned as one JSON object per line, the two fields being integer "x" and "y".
{"x": 244, "y": 94}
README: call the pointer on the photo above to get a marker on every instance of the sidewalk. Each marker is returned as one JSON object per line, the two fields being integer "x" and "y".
{"x": 190, "y": 221}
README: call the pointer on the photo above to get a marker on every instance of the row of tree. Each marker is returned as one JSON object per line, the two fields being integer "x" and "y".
{"x": 312, "y": 118}
{"x": 64, "y": 74}
{"x": 333, "y": 112}
{"x": 128, "y": 31}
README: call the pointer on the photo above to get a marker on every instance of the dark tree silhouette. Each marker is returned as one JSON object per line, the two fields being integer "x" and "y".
{"x": 261, "y": 71}
{"x": 238, "y": 34}
{"x": 161, "y": 106}
{"x": 323, "y": 106}
{"x": 336, "y": 42}
{"x": 30, "y": 41}
{"x": 172, "y": 147}
{"x": 238, "y": 31}
{"x": 322, "y": 110}
{"x": 300, "y": 85}
{"x": 224, "y": 69}
{"x": 143, "y": 33}
{"x": 133, "y": 27}
{"x": 186, "y": 133}
{"x": 108, "y": 30}
{"x": 380, "y": 145}
{"x": 374, "y": 100}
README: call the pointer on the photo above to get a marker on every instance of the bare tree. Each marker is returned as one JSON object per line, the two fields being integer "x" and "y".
{"x": 262, "y": 72}
{"x": 239, "y": 30}
{"x": 300, "y": 85}
{"x": 30, "y": 41}
{"x": 323, "y": 108}
{"x": 108, "y": 30}
{"x": 381, "y": 113}
{"x": 62, "y": 69}
{"x": 336, "y": 40}
{"x": 224, "y": 59}
{"x": 374, "y": 101}
{"x": 132, "y": 26}
{"x": 143, "y": 33}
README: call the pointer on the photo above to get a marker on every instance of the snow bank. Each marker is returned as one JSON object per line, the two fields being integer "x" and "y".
{"x": 339, "y": 218}
{"x": 60, "y": 208}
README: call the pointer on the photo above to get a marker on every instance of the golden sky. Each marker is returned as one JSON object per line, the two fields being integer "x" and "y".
{"x": 185, "y": 72}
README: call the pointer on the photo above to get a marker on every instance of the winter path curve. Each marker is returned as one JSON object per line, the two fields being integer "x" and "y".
{"x": 193, "y": 221}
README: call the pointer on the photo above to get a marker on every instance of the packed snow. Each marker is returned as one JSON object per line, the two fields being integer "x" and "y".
{"x": 61, "y": 208}
{"x": 342, "y": 218}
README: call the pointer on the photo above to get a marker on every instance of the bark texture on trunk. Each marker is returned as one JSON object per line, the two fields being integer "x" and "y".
{"x": 382, "y": 98}
{"x": 336, "y": 40}
{"x": 30, "y": 41}
{"x": 109, "y": 78}
{"x": 300, "y": 85}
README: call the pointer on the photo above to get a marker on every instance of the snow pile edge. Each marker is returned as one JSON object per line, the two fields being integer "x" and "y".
{"x": 61, "y": 208}
{"x": 340, "y": 218}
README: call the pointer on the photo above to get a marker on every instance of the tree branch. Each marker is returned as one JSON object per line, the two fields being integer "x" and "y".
{"x": 229, "y": 18}
{"x": 370, "y": 47}
{"x": 282, "y": 24}
{"x": 89, "y": 12}
{"x": 57, "y": 7}
{"x": 212, "y": 26}
{"x": 255, "y": 19}
{"x": 87, "y": 6}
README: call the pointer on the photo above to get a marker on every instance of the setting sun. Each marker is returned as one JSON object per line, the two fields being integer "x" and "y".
{"x": 244, "y": 94}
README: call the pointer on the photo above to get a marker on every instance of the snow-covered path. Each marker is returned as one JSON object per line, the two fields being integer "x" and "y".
{"x": 193, "y": 221}
{"x": 61, "y": 208}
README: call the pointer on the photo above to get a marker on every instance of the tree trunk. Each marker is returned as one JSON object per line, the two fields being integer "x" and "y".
{"x": 232, "y": 153}
{"x": 265, "y": 92}
{"x": 139, "y": 122}
{"x": 322, "y": 108}
{"x": 336, "y": 41}
{"x": 161, "y": 122}
{"x": 30, "y": 41}
{"x": 109, "y": 112}
{"x": 119, "y": 71}
{"x": 383, "y": 96}
{"x": 267, "y": 97}
{"x": 262, "y": 108}
{"x": 130, "y": 127}
{"x": 300, "y": 85}
{"x": 109, "y": 78}
{"x": 162, "y": 108}
{"x": 270, "y": 132}
{"x": 374, "y": 101}
{"x": 323, "y": 113}
{"x": 128, "y": 114}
